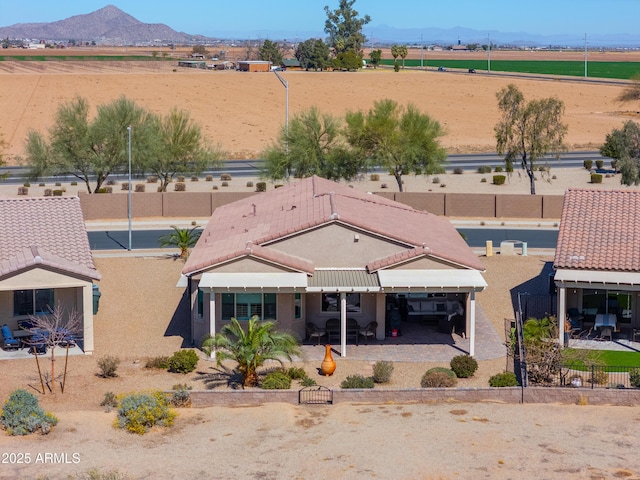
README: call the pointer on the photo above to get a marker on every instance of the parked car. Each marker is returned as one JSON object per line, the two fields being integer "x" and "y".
{"x": 472, "y": 70}
{"x": 442, "y": 69}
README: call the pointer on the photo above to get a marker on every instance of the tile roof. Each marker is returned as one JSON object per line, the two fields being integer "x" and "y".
{"x": 313, "y": 202}
{"x": 599, "y": 230}
{"x": 49, "y": 231}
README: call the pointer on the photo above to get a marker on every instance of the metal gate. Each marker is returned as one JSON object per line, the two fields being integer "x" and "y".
{"x": 315, "y": 395}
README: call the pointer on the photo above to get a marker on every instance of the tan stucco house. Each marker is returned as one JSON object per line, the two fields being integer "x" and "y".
{"x": 316, "y": 250}
{"x": 597, "y": 262}
{"x": 45, "y": 261}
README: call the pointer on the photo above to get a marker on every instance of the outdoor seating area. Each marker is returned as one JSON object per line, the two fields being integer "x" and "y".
{"x": 32, "y": 339}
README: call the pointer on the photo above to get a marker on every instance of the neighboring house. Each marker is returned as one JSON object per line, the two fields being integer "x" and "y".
{"x": 45, "y": 261}
{"x": 315, "y": 250}
{"x": 597, "y": 260}
{"x": 254, "y": 66}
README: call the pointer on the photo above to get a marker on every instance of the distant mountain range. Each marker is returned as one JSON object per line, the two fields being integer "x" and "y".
{"x": 112, "y": 26}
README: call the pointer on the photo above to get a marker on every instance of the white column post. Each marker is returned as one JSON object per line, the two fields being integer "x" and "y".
{"x": 562, "y": 308}
{"x": 87, "y": 319}
{"x": 472, "y": 323}
{"x": 212, "y": 316}
{"x": 343, "y": 324}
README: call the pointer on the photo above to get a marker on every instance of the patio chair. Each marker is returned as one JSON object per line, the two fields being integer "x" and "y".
{"x": 635, "y": 335}
{"x": 314, "y": 332}
{"x": 369, "y": 331}
{"x": 9, "y": 341}
{"x": 332, "y": 327}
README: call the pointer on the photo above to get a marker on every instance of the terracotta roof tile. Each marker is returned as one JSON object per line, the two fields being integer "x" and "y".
{"x": 46, "y": 230}
{"x": 599, "y": 230}
{"x": 312, "y": 202}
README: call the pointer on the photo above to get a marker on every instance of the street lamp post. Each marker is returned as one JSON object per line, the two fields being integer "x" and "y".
{"x": 129, "y": 189}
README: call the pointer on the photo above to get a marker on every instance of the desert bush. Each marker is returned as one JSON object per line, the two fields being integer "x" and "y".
{"x": 161, "y": 362}
{"x": 599, "y": 163}
{"x": 181, "y": 396}
{"x": 464, "y": 366}
{"x": 505, "y": 379}
{"x": 438, "y": 377}
{"x": 105, "y": 190}
{"x": 58, "y": 184}
{"x": 215, "y": 187}
{"x": 308, "y": 382}
{"x": 194, "y": 178}
{"x": 296, "y": 373}
{"x": 111, "y": 182}
{"x": 108, "y": 366}
{"x": 208, "y": 178}
{"x": 435, "y": 180}
{"x": 508, "y": 168}
{"x": 48, "y": 192}
{"x": 261, "y": 187}
{"x": 498, "y": 169}
{"x": 21, "y": 415}
{"x": 183, "y": 361}
{"x": 599, "y": 377}
{"x": 374, "y": 177}
{"x": 484, "y": 169}
{"x": 483, "y": 180}
{"x": 41, "y": 184}
{"x": 249, "y": 184}
{"x": 225, "y": 184}
{"x": 152, "y": 179}
{"x": 181, "y": 178}
{"x": 139, "y": 412}
{"x": 225, "y": 177}
{"x": 357, "y": 381}
{"x": 180, "y": 187}
{"x": 109, "y": 401}
{"x": 458, "y": 171}
{"x": 587, "y": 164}
{"x": 140, "y": 187}
{"x": 276, "y": 381}
{"x": 26, "y": 184}
{"x": 499, "y": 179}
{"x": 23, "y": 191}
{"x": 382, "y": 371}
{"x": 124, "y": 186}
{"x": 384, "y": 185}
{"x": 596, "y": 178}
{"x": 634, "y": 377}
{"x": 614, "y": 164}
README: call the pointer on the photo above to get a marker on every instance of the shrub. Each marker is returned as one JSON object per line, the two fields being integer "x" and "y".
{"x": 357, "y": 381}
{"x": 140, "y": 187}
{"x": 508, "y": 168}
{"x": 614, "y": 164}
{"x": 634, "y": 377}
{"x": 382, "y": 371}
{"x": 225, "y": 177}
{"x": 483, "y": 180}
{"x": 180, "y": 187}
{"x": 499, "y": 179}
{"x": 181, "y": 178}
{"x": 464, "y": 366}
{"x": 152, "y": 179}
{"x": 435, "y": 180}
{"x": 498, "y": 169}
{"x": 183, "y": 361}
{"x": 599, "y": 377}
{"x": 250, "y": 184}
{"x": 215, "y": 187}
{"x": 105, "y": 190}
{"x": 384, "y": 185}
{"x": 296, "y": 373}
{"x": 58, "y": 184}
{"x": 161, "y": 362}
{"x": 374, "y": 177}
{"x": 438, "y": 377}
{"x": 194, "y": 178}
{"x": 587, "y": 164}
{"x": 108, "y": 366}
{"x": 276, "y": 381}
{"x": 484, "y": 169}
{"x": 109, "y": 401}
{"x": 124, "y": 186}
{"x": 22, "y": 415}
{"x": 308, "y": 382}
{"x": 41, "y": 184}
{"x": 23, "y": 191}
{"x": 458, "y": 171}
{"x": 139, "y": 412}
{"x": 225, "y": 184}
{"x": 261, "y": 187}
{"x": 505, "y": 379}
{"x": 111, "y": 182}
{"x": 181, "y": 395}
{"x": 599, "y": 163}
{"x": 596, "y": 178}
{"x": 48, "y": 192}
{"x": 26, "y": 184}
{"x": 208, "y": 178}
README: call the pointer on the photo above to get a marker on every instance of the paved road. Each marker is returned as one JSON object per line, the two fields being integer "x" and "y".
{"x": 476, "y": 237}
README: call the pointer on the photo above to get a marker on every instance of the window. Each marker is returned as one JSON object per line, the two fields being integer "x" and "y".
{"x": 607, "y": 301}
{"x": 32, "y": 302}
{"x": 243, "y": 306}
{"x": 331, "y": 302}
{"x": 297, "y": 306}
{"x": 200, "y": 303}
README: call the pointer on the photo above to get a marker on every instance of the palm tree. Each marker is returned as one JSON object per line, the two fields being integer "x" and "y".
{"x": 182, "y": 238}
{"x": 252, "y": 347}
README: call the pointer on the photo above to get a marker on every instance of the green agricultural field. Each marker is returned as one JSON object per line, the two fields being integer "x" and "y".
{"x": 618, "y": 70}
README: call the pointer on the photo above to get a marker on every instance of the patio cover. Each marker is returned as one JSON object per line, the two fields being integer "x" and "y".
{"x": 343, "y": 280}
{"x": 254, "y": 281}
{"x": 432, "y": 280}
{"x": 587, "y": 278}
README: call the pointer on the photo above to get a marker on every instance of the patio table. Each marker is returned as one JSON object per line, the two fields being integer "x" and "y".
{"x": 606, "y": 320}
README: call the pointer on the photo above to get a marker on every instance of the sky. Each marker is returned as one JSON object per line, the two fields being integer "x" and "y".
{"x": 305, "y": 18}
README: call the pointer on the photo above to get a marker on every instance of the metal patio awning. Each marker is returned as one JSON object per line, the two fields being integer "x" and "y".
{"x": 588, "y": 278}
{"x": 276, "y": 281}
{"x": 343, "y": 280}
{"x": 432, "y": 280}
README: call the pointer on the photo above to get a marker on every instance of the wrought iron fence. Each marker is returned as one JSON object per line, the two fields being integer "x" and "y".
{"x": 581, "y": 376}
{"x": 315, "y": 395}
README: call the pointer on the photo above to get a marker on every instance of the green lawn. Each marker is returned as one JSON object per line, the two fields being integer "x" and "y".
{"x": 614, "y": 358}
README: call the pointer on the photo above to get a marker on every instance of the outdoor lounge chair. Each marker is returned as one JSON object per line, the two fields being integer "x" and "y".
{"x": 9, "y": 341}
{"x": 314, "y": 332}
{"x": 369, "y": 331}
